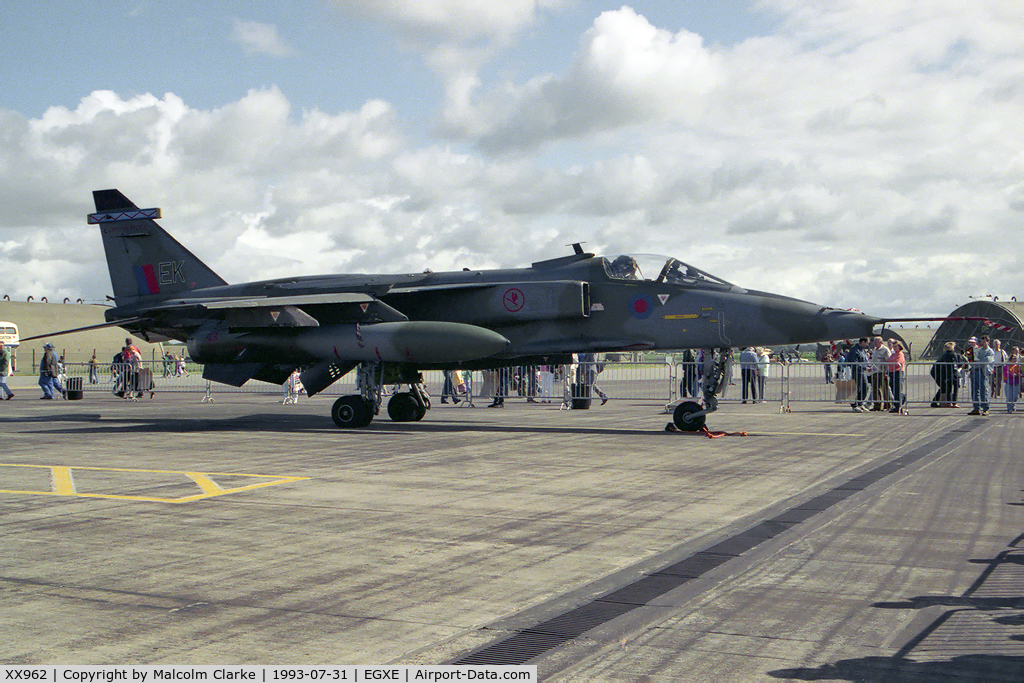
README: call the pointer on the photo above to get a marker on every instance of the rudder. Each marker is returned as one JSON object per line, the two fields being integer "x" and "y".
{"x": 144, "y": 260}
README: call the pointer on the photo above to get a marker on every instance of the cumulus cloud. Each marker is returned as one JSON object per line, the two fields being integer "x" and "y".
{"x": 456, "y": 38}
{"x": 448, "y": 20}
{"x": 627, "y": 72}
{"x": 857, "y": 157}
{"x": 259, "y": 38}
{"x": 207, "y": 167}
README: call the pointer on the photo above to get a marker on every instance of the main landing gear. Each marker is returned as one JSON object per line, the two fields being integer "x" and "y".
{"x": 349, "y": 412}
{"x": 409, "y": 406}
{"x": 358, "y": 410}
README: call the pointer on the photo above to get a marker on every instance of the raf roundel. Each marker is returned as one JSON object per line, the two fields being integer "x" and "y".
{"x": 640, "y": 306}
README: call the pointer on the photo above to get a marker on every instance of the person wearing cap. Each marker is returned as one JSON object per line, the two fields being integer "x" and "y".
{"x": 981, "y": 369}
{"x": 972, "y": 344}
{"x": 48, "y": 373}
{"x": 5, "y": 370}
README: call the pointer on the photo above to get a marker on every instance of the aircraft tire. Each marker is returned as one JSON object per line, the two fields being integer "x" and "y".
{"x": 682, "y": 419}
{"x": 404, "y": 408}
{"x": 351, "y": 412}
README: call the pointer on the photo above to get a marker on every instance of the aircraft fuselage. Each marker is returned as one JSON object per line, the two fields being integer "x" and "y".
{"x": 555, "y": 307}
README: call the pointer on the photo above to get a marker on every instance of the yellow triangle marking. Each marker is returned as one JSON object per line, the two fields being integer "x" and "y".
{"x": 63, "y": 484}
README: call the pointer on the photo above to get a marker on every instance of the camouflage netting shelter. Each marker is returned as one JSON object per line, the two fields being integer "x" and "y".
{"x": 999, "y": 320}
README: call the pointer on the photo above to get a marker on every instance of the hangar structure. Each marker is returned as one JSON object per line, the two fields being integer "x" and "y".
{"x": 1000, "y": 320}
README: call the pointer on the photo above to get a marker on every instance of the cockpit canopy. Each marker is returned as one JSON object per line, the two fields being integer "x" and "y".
{"x": 660, "y": 269}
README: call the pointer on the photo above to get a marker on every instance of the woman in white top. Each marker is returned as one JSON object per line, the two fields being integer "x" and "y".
{"x": 763, "y": 363}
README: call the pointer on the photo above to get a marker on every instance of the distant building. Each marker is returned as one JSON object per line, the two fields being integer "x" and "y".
{"x": 999, "y": 320}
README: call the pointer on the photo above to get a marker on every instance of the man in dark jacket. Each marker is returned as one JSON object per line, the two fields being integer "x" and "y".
{"x": 945, "y": 374}
{"x": 858, "y": 360}
{"x": 748, "y": 373}
{"x": 49, "y": 370}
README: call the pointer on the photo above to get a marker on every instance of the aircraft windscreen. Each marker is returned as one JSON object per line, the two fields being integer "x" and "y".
{"x": 659, "y": 269}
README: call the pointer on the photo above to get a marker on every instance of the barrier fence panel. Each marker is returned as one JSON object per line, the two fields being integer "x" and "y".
{"x": 638, "y": 381}
{"x": 923, "y": 383}
{"x": 688, "y": 384}
{"x": 800, "y": 382}
{"x": 811, "y": 382}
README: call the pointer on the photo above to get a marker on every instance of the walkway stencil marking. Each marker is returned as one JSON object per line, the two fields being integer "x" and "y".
{"x": 62, "y": 482}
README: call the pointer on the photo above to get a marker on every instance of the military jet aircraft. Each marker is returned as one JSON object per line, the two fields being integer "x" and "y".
{"x": 331, "y": 324}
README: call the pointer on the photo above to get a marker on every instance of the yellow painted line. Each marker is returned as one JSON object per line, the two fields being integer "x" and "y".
{"x": 205, "y": 483}
{"x": 63, "y": 483}
{"x": 682, "y": 316}
{"x": 805, "y": 434}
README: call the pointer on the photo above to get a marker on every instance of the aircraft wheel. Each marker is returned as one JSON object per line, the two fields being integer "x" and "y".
{"x": 351, "y": 412}
{"x": 404, "y": 408}
{"x": 683, "y": 418}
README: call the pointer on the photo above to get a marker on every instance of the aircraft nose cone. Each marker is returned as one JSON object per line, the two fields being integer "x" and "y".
{"x": 798, "y": 322}
{"x": 848, "y": 324}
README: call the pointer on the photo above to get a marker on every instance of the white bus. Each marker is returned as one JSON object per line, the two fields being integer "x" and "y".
{"x": 9, "y": 334}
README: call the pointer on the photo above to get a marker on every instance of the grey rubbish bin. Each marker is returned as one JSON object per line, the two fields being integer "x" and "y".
{"x": 73, "y": 387}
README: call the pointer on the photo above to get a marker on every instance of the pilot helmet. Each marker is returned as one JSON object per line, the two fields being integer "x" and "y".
{"x": 624, "y": 266}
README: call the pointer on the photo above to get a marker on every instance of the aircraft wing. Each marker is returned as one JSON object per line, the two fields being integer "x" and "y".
{"x": 285, "y": 311}
{"x": 87, "y": 328}
{"x": 416, "y": 289}
{"x": 281, "y": 311}
{"x": 270, "y": 302}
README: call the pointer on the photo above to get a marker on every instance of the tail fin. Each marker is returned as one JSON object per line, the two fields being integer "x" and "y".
{"x": 144, "y": 260}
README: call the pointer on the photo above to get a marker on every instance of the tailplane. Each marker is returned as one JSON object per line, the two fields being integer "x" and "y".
{"x": 144, "y": 260}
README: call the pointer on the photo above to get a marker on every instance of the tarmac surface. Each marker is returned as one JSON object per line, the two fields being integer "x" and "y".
{"x": 823, "y": 545}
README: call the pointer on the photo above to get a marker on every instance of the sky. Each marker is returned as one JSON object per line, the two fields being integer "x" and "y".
{"x": 852, "y": 153}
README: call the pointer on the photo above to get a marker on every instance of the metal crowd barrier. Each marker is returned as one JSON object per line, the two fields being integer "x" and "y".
{"x": 638, "y": 381}
{"x": 922, "y": 384}
{"x": 786, "y": 384}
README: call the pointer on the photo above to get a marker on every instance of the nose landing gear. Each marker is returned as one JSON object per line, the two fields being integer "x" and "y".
{"x": 690, "y": 416}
